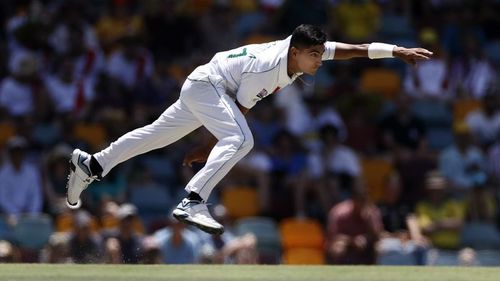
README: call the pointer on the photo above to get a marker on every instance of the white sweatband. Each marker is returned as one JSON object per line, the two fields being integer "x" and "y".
{"x": 380, "y": 50}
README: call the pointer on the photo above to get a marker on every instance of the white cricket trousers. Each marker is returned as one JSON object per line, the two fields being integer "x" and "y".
{"x": 201, "y": 103}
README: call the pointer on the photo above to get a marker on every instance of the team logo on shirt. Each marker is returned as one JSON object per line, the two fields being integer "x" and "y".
{"x": 262, "y": 94}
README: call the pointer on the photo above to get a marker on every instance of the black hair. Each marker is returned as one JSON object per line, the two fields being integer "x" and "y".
{"x": 307, "y": 35}
{"x": 328, "y": 130}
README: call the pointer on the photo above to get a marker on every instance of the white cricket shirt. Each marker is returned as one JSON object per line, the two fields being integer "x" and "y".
{"x": 254, "y": 71}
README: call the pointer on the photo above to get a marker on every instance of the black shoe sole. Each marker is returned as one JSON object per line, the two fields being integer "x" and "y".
{"x": 208, "y": 230}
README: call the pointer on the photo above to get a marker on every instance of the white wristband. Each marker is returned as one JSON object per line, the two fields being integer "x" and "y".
{"x": 380, "y": 50}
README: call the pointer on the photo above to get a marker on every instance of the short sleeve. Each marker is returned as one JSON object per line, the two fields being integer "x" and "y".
{"x": 246, "y": 95}
{"x": 329, "y": 53}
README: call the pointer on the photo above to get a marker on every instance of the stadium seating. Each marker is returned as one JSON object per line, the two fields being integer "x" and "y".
{"x": 463, "y": 107}
{"x": 65, "y": 223}
{"x": 32, "y": 232}
{"x": 93, "y": 134}
{"x": 240, "y": 201}
{"x": 394, "y": 26}
{"x": 109, "y": 222}
{"x": 438, "y": 119}
{"x": 5, "y": 230}
{"x": 150, "y": 197}
{"x": 304, "y": 256}
{"x": 160, "y": 166}
{"x": 384, "y": 82}
{"x": 439, "y": 138}
{"x": 301, "y": 233}
{"x": 480, "y": 236}
{"x": 267, "y": 234}
{"x": 488, "y": 257}
{"x": 433, "y": 113}
{"x": 152, "y": 201}
{"x": 376, "y": 171}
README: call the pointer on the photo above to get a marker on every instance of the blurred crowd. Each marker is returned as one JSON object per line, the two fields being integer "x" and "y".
{"x": 368, "y": 162}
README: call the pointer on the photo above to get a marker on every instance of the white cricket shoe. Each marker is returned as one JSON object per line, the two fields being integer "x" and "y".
{"x": 194, "y": 212}
{"x": 79, "y": 177}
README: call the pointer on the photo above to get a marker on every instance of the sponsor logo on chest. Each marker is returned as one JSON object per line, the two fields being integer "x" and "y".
{"x": 264, "y": 93}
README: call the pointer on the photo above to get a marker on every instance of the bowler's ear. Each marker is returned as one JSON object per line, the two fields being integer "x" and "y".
{"x": 294, "y": 52}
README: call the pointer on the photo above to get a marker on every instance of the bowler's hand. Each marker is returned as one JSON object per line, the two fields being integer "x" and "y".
{"x": 198, "y": 154}
{"x": 412, "y": 55}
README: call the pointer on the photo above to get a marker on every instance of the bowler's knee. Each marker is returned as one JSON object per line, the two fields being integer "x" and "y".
{"x": 247, "y": 143}
{"x": 243, "y": 143}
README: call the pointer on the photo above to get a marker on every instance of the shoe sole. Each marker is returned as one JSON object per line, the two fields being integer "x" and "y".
{"x": 72, "y": 169}
{"x": 210, "y": 230}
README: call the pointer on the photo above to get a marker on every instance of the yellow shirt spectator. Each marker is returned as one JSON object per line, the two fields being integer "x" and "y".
{"x": 429, "y": 214}
{"x": 357, "y": 20}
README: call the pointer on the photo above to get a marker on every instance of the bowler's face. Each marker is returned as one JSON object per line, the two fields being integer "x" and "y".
{"x": 309, "y": 59}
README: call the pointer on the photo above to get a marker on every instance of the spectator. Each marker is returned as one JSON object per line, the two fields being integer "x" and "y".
{"x": 124, "y": 244}
{"x": 431, "y": 78}
{"x": 356, "y": 20}
{"x": 55, "y": 172}
{"x": 440, "y": 217}
{"x": 400, "y": 243}
{"x": 472, "y": 73}
{"x": 463, "y": 164}
{"x": 177, "y": 244}
{"x": 296, "y": 115}
{"x": 392, "y": 210}
{"x": 485, "y": 122}
{"x": 354, "y": 227}
{"x": 242, "y": 250}
{"x": 227, "y": 248}
{"x": 57, "y": 249}
{"x": 8, "y": 253}
{"x": 412, "y": 176}
{"x": 19, "y": 97}
{"x": 131, "y": 64}
{"x": 288, "y": 174}
{"x": 480, "y": 231}
{"x": 162, "y": 18}
{"x": 334, "y": 168}
{"x": 84, "y": 246}
{"x": 265, "y": 124}
{"x": 402, "y": 131}
{"x": 70, "y": 15}
{"x": 221, "y": 16}
{"x": 118, "y": 21}
{"x": 20, "y": 182}
{"x": 31, "y": 37}
{"x": 322, "y": 113}
{"x": 151, "y": 251}
{"x": 88, "y": 60}
{"x": 70, "y": 96}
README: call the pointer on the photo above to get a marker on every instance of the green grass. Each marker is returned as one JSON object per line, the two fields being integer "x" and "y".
{"x": 38, "y": 272}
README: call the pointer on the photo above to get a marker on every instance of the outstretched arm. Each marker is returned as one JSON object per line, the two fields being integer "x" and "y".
{"x": 380, "y": 50}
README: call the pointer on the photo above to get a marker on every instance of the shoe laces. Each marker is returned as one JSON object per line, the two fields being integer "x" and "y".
{"x": 206, "y": 216}
{"x": 204, "y": 213}
{"x": 90, "y": 179}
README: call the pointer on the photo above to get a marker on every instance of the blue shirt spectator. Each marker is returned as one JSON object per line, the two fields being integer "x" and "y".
{"x": 177, "y": 244}
{"x": 20, "y": 183}
{"x": 463, "y": 163}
